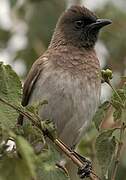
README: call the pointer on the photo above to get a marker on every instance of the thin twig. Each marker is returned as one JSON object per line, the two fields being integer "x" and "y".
{"x": 108, "y": 82}
{"x": 20, "y": 111}
{"x": 120, "y": 143}
{"x": 117, "y": 156}
{"x": 56, "y": 141}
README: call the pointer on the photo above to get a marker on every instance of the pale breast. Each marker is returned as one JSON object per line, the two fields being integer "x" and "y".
{"x": 72, "y": 101}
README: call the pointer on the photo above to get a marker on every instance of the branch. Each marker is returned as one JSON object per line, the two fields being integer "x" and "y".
{"x": 65, "y": 149}
{"x": 21, "y": 112}
{"x": 119, "y": 149}
{"x": 122, "y": 129}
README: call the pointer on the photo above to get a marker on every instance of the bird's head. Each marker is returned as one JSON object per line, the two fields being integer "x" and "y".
{"x": 80, "y": 27}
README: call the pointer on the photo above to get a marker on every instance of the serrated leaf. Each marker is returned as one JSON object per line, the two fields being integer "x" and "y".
{"x": 49, "y": 127}
{"x": 47, "y": 166}
{"x": 27, "y": 155}
{"x": 100, "y": 114}
{"x": 10, "y": 90}
{"x": 105, "y": 148}
{"x": 19, "y": 165}
{"x": 118, "y": 103}
{"x": 115, "y": 98}
{"x": 34, "y": 108}
{"x": 117, "y": 114}
{"x": 34, "y": 137}
{"x": 3, "y": 134}
{"x": 30, "y": 108}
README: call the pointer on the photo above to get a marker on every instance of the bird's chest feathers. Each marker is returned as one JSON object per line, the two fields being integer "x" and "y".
{"x": 72, "y": 100}
{"x": 78, "y": 62}
{"x": 60, "y": 86}
{"x": 78, "y": 89}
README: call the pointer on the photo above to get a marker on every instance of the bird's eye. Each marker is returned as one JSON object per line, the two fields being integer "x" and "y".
{"x": 78, "y": 24}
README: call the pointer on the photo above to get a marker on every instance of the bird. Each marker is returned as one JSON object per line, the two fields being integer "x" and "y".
{"x": 67, "y": 75}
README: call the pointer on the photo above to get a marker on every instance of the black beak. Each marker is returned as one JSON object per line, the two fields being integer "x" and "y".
{"x": 99, "y": 24}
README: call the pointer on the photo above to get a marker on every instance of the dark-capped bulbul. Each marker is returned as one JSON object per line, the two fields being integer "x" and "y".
{"x": 67, "y": 75}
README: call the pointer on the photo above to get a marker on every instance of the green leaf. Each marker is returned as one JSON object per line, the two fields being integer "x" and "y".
{"x": 19, "y": 165}
{"x": 115, "y": 98}
{"x": 34, "y": 108}
{"x": 100, "y": 114}
{"x": 49, "y": 127}
{"x": 117, "y": 114}
{"x": 27, "y": 155}
{"x": 47, "y": 166}
{"x": 4, "y": 135}
{"x": 12, "y": 169}
{"x": 105, "y": 148}
{"x": 34, "y": 136}
{"x": 10, "y": 90}
{"x": 118, "y": 104}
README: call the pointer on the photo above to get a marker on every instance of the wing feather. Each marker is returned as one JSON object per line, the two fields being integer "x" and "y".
{"x": 29, "y": 85}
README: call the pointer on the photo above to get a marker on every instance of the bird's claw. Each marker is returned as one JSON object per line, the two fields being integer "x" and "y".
{"x": 85, "y": 170}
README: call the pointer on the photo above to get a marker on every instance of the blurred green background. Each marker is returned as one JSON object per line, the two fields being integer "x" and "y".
{"x": 26, "y": 27}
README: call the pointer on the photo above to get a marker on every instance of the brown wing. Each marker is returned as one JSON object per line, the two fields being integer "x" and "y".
{"x": 29, "y": 85}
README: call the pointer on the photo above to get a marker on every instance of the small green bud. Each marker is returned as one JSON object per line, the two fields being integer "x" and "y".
{"x": 109, "y": 73}
{"x": 106, "y": 75}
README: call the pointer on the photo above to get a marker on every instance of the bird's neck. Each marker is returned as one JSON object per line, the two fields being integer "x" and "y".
{"x": 57, "y": 40}
{"x": 75, "y": 60}
{"x": 71, "y": 56}
{"x": 60, "y": 44}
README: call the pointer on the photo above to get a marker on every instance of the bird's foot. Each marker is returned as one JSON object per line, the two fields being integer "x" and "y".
{"x": 85, "y": 170}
